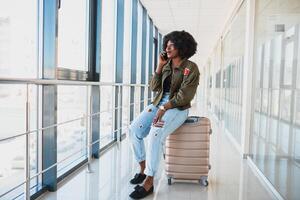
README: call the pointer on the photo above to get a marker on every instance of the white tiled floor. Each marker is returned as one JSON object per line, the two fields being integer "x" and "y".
{"x": 230, "y": 178}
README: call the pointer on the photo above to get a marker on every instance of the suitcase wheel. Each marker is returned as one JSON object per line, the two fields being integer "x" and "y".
{"x": 169, "y": 181}
{"x": 203, "y": 182}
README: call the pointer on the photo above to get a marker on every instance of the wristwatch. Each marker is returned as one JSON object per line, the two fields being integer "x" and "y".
{"x": 162, "y": 108}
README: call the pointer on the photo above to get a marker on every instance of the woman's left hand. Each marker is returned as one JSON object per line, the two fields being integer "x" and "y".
{"x": 157, "y": 122}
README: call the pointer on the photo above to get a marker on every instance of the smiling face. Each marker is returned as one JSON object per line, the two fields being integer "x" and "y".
{"x": 172, "y": 52}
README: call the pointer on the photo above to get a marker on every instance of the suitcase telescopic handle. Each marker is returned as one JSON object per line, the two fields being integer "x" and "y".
{"x": 192, "y": 119}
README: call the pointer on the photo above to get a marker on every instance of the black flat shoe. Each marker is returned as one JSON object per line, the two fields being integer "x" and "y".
{"x": 140, "y": 192}
{"x": 138, "y": 178}
{"x": 137, "y": 186}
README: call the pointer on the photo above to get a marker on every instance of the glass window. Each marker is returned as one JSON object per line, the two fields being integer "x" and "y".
{"x": 107, "y": 72}
{"x": 257, "y": 100}
{"x": 13, "y": 122}
{"x": 265, "y": 100}
{"x": 125, "y": 108}
{"x": 296, "y": 144}
{"x": 127, "y": 41}
{"x": 297, "y": 57}
{"x": 224, "y": 78}
{"x": 253, "y": 146}
{"x": 284, "y": 136}
{"x": 18, "y": 38}
{"x": 261, "y": 148}
{"x": 108, "y": 42}
{"x": 12, "y": 166}
{"x": 233, "y": 52}
{"x": 266, "y": 64}
{"x": 106, "y": 115}
{"x": 285, "y": 104}
{"x": 71, "y": 136}
{"x": 126, "y": 63}
{"x": 276, "y": 57}
{"x": 137, "y": 100}
{"x": 137, "y": 94}
{"x": 147, "y": 54}
{"x": 258, "y": 68}
{"x": 297, "y": 108}
{"x": 72, "y": 37}
{"x": 288, "y": 64}
{"x": 263, "y": 126}
{"x": 139, "y": 43}
{"x": 275, "y": 103}
{"x": 273, "y": 131}
{"x": 277, "y": 22}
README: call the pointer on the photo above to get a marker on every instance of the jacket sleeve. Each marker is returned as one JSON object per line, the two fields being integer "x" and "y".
{"x": 155, "y": 83}
{"x": 187, "y": 90}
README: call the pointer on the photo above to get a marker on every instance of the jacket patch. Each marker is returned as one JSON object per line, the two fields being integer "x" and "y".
{"x": 186, "y": 71}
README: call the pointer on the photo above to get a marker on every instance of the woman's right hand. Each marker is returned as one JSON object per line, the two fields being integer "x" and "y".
{"x": 161, "y": 63}
{"x": 162, "y": 60}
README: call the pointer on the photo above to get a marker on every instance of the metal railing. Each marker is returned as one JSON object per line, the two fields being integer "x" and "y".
{"x": 88, "y": 116}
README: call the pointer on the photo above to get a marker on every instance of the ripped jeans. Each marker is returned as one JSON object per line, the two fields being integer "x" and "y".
{"x": 142, "y": 126}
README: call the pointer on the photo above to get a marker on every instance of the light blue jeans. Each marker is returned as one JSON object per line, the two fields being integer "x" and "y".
{"x": 142, "y": 126}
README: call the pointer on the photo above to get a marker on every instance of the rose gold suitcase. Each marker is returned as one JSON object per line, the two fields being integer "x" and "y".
{"x": 187, "y": 151}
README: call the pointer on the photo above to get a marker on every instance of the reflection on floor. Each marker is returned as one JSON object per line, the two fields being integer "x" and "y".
{"x": 282, "y": 172}
{"x": 230, "y": 178}
{"x": 275, "y": 149}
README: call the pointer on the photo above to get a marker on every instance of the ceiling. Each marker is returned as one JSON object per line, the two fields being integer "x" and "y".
{"x": 204, "y": 19}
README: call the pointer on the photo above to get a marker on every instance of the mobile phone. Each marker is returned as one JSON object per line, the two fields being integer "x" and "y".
{"x": 164, "y": 55}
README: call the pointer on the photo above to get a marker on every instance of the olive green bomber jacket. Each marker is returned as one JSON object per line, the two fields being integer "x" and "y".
{"x": 184, "y": 83}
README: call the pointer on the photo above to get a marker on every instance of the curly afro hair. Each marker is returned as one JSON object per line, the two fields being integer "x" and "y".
{"x": 183, "y": 41}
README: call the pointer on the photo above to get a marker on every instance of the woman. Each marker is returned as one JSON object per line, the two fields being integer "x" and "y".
{"x": 175, "y": 80}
